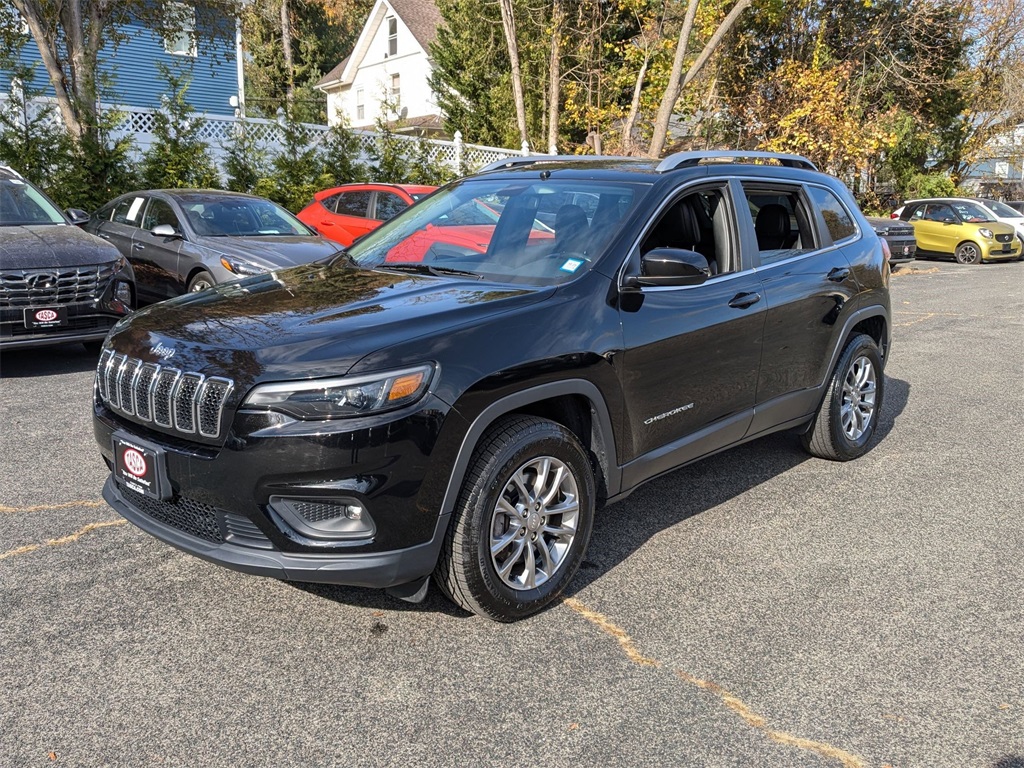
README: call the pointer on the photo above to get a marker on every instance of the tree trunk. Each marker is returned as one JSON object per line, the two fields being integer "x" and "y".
{"x": 289, "y": 63}
{"x": 634, "y": 108}
{"x": 676, "y": 83}
{"x": 554, "y": 74}
{"x": 509, "y": 23}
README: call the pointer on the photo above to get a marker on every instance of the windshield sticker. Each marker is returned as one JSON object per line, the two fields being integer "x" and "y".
{"x": 134, "y": 210}
{"x": 571, "y": 265}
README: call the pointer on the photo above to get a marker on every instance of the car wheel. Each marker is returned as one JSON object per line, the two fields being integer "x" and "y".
{"x": 201, "y": 282}
{"x": 847, "y": 417}
{"x": 968, "y": 253}
{"x": 522, "y": 521}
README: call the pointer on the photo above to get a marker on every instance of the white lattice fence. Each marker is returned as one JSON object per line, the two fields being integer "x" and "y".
{"x": 218, "y": 131}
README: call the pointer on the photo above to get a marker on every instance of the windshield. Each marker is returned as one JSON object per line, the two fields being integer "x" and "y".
{"x": 21, "y": 203}
{"x": 224, "y": 216}
{"x": 1002, "y": 210}
{"x": 534, "y": 231}
{"x": 971, "y": 212}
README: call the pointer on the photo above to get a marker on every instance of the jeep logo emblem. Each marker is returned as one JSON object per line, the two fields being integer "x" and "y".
{"x": 164, "y": 353}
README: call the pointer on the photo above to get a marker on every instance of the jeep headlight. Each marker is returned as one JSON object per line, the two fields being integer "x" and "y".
{"x": 985, "y": 232}
{"x": 344, "y": 397}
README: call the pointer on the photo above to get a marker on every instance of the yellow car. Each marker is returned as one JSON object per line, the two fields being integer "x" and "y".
{"x": 962, "y": 229}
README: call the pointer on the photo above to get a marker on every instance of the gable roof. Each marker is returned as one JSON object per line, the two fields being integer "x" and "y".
{"x": 422, "y": 17}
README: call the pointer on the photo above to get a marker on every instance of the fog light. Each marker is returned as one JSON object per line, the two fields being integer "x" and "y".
{"x": 319, "y": 518}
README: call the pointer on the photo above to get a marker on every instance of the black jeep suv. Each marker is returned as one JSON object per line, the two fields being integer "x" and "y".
{"x": 458, "y": 393}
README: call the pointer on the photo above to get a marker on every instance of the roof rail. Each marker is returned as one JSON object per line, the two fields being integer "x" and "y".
{"x": 515, "y": 162}
{"x": 689, "y": 159}
{"x": 10, "y": 170}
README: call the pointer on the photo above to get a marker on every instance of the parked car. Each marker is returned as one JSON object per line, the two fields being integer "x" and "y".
{"x": 898, "y": 235}
{"x": 1017, "y": 205}
{"x": 371, "y": 423}
{"x": 964, "y": 229}
{"x": 182, "y": 240}
{"x": 58, "y": 284}
{"x": 1004, "y": 214}
{"x": 350, "y": 211}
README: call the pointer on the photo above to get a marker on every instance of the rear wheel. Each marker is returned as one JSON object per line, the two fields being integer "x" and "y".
{"x": 522, "y": 521}
{"x": 200, "y": 282}
{"x": 968, "y": 253}
{"x": 847, "y": 417}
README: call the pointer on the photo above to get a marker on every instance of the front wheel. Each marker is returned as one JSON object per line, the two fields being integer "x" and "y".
{"x": 848, "y": 416}
{"x": 522, "y": 521}
{"x": 968, "y": 253}
{"x": 200, "y": 282}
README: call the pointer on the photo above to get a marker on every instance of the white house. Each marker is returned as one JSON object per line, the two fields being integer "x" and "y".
{"x": 391, "y": 58}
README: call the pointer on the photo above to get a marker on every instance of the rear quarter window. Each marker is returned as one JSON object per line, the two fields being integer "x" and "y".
{"x": 837, "y": 219}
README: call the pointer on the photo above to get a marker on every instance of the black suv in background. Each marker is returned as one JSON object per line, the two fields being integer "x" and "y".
{"x": 459, "y": 392}
{"x": 57, "y": 283}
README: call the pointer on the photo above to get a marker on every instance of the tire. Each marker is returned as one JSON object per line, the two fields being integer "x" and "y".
{"x": 490, "y": 510}
{"x": 200, "y": 282}
{"x": 968, "y": 253}
{"x": 847, "y": 417}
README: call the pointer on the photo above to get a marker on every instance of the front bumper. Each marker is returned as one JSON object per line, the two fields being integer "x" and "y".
{"x": 378, "y": 570}
{"x": 85, "y": 322}
{"x": 224, "y": 502}
{"x": 996, "y": 251}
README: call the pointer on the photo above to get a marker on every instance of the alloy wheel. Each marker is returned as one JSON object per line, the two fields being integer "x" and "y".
{"x": 858, "y": 404}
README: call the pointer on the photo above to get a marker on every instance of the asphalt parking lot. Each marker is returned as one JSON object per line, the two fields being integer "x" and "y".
{"x": 759, "y": 608}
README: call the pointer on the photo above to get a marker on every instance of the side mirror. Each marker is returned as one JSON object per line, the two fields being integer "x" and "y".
{"x": 949, "y": 220}
{"x": 165, "y": 230}
{"x": 77, "y": 216}
{"x": 671, "y": 266}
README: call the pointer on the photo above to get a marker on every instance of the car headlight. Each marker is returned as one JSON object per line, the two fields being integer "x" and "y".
{"x": 241, "y": 266}
{"x": 985, "y": 232}
{"x": 344, "y": 397}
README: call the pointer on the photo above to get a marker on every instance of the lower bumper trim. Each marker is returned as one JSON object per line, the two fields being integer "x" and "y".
{"x": 377, "y": 570}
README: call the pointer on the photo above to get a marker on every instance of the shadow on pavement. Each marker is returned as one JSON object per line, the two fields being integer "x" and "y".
{"x": 624, "y": 527}
{"x": 46, "y": 361}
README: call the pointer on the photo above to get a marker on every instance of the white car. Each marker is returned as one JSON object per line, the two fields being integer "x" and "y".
{"x": 998, "y": 211}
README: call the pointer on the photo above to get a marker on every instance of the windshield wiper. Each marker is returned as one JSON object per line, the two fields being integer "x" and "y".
{"x": 428, "y": 269}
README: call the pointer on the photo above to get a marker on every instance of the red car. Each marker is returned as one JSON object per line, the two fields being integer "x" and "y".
{"x": 344, "y": 213}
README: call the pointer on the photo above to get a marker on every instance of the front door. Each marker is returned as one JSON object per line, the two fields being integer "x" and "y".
{"x": 689, "y": 370}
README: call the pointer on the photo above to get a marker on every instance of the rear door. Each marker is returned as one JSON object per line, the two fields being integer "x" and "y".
{"x": 388, "y": 205}
{"x": 352, "y": 216}
{"x": 120, "y": 229}
{"x": 807, "y": 282}
{"x": 160, "y": 255}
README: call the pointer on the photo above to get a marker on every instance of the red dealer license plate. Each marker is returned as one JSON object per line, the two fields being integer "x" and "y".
{"x": 45, "y": 317}
{"x": 140, "y": 467}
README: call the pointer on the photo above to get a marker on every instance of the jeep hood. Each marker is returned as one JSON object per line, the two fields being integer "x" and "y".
{"x": 307, "y": 322}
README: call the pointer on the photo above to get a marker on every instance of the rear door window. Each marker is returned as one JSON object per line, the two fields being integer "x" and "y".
{"x": 129, "y": 211}
{"x": 781, "y": 221}
{"x": 354, "y": 204}
{"x": 389, "y": 205}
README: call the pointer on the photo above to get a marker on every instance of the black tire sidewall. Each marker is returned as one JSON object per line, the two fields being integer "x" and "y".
{"x": 861, "y": 346}
{"x": 548, "y": 439}
{"x": 204, "y": 275}
{"x": 959, "y": 248}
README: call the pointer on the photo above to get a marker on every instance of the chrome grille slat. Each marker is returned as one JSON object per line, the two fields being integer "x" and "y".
{"x": 184, "y": 401}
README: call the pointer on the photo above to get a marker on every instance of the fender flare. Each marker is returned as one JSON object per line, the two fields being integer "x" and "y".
{"x": 860, "y": 315}
{"x": 509, "y": 403}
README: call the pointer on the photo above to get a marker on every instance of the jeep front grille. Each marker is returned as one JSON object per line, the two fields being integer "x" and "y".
{"x": 46, "y": 287}
{"x": 190, "y": 403}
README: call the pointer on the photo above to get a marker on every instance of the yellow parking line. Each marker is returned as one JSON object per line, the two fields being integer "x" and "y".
{"x": 49, "y": 507}
{"x": 62, "y": 540}
{"x": 731, "y": 700}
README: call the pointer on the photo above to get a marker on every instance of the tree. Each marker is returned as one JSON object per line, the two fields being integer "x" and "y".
{"x": 508, "y": 22}
{"x": 71, "y": 35}
{"x": 676, "y": 83}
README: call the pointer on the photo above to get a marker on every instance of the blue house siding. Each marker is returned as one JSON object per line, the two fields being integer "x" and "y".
{"x": 133, "y": 79}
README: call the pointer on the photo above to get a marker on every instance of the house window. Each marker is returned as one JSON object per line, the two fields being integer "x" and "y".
{"x": 392, "y": 36}
{"x": 360, "y": 106}
{"x": 396, "y": 88}
{"x": 179, "y": 34}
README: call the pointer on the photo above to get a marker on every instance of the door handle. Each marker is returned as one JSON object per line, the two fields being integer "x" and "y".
{"x": 327, "y": 223}
{"x": 838, "y": 274}
{"x": 105, "y": 237}
{"x": 744, "y": 300}
{"x": 138, "y": 246}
